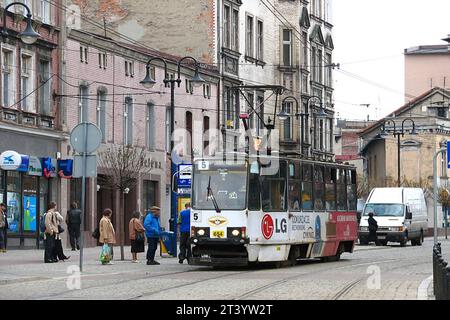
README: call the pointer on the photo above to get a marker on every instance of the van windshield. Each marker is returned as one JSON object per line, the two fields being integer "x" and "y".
{"x": 384, "y": 210}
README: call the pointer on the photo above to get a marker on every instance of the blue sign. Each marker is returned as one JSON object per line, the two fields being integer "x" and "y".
{"x": 49, "y": 167}
{"x": 448, "y": 154}
{"x": 184, "y": 176}
{"x": 65, "y": 168}
{"x": 25, "y": 163}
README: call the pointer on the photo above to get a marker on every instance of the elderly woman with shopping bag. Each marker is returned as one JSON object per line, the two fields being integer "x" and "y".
{"x": 107, "y": 237}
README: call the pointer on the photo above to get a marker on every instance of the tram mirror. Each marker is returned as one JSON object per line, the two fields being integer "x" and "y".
{"x": 254, "y": 168}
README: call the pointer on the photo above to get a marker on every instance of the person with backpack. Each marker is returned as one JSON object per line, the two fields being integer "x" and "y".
{"x": 73, "y": 221}
{"x": 50, "y": 233}
{"x": 137, "y": 235}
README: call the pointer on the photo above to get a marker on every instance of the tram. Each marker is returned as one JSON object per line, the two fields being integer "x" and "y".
{"x": 274, "y": 209}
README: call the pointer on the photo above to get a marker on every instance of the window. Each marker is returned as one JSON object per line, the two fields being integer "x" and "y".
{"x": 330, "y": 188}
{"x": 320, "y": 65}
{"x": 128, "y": 121}
{"x": 206, "y": 91}
{"x": 235, "y": 31}
{"x": 319, "y": 188}
{"x": 83, "y": 105}
{"x": 8, "y": 77}
{"x": 206, "y": 135}
{"x": 45, "y": 11}
{"x": 150, "y": 126}
{"x": 27, "y": 101}
{"x": 328, "y": 71}
{"x": 101, "y": 113}
{"x": 226, "y": 26}
{"x": 102, "y": 60}
{"x": 254, "y": 194}
{"x": 260, "y": 41}
{"x": 288, "y": 82}
{"x": 274, "y": 190}
{"x": 307, "y": 187}
{"x": 341, "y": 190}
{"x": 294, "y": 187}
{"x": 351, "y": 190}
{"x": 150, "y": 195}
{"x": 317, "y": 8}
{"x": 249, "y": 39}
{"x": 84, "y": 54}
{"x": 288, "y": 124}
{"x": 287, "y": 47}
{"x": 129, "y": 68}
{"x": 189, "y": 86}
{"x": 45, "y": 87}
{"x": 231, "y": 105}
{"x": 305, "y": 49}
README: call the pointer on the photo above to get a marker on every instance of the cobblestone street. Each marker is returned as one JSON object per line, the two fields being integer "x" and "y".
{"x": 402, "y": 272}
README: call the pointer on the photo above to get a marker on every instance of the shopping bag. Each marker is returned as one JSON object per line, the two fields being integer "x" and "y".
{"x": 105, "y": 254}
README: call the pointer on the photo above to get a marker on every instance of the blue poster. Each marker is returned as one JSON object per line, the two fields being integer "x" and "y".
{"x": 29, "y": 213}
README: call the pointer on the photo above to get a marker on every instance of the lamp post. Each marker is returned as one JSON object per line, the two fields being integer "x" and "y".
{"x": 29, "y": 35}
{"x": 148, "y": 83}
{"x": 398, "y": 134}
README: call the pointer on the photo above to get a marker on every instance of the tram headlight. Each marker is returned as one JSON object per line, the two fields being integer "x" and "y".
{"x": 201, "y": 232}
{"x": 235, "y": 233}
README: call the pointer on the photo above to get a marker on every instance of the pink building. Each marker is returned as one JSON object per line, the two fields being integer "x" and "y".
{"x": 103, "y": 87}
{"x": 426, "y": 67}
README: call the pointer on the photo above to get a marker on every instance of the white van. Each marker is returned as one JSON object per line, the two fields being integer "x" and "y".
{"x": 401, "y": 214}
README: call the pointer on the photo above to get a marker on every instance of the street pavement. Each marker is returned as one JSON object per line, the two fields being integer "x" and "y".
{"x": 370, "y": 273}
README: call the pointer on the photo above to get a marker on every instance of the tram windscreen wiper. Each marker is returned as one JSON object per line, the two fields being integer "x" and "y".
{"x": 211, "y": 194}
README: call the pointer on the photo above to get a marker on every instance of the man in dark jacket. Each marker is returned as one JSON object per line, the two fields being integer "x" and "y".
{"x": 373, "y": 227}
{"x": 73, "y": 221}
{"x": 153, "y": 232}
{"x": 184, "y": 223}
{"x": 3, "y": 228}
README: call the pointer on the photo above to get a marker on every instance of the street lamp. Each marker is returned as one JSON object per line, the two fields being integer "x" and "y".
{"x": 29, "y": 35}
{"x": 399, "y": 134}
{"x": 148, "y": 82}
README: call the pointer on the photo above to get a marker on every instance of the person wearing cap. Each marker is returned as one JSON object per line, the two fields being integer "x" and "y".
{"x": 152, "y": 231}
{"x": 373, "y": 227}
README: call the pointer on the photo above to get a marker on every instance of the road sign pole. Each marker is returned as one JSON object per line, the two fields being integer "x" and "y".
{"x": 83, "y": 198}
{"x": 435, "y": 192}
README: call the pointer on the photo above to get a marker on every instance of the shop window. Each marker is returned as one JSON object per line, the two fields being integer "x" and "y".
{"x": 274, "y": 190}
{"x": 150, "y": 192}
{"x": 14, "y": 202}
{"x": 319, "y": 188}
{"x": 294, "y": 187}
{"x": 30, "y": 204}
{"x": 307, "y": 187}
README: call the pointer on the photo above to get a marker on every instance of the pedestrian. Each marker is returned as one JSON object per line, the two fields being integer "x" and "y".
{"x": 73, "y": 221}
{"x": 184, "y": 224}
{"x": 59, "y": 252}
{"x": 51, "y": 231}
{"x": 153, "y": 232}
{"x": 107, "y": 233}
{"x": 373, "y": 227}
{"x": 137, "y": 235}
{"x": 3, "y": 228}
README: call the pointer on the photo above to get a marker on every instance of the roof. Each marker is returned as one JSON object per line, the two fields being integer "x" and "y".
{"x": 405, "y": 107}
{"x": 428, "y": 49}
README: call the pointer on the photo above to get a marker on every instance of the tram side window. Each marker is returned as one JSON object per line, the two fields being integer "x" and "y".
{"x": 294, "y": 187}
{"x": 351, "y": 190}
{"x": 274, "y": 190}
{"x": 330, "y": 188}
{"x": 307, "y": 186}
{"x": 341, "y": 190}
{"x": 254, "y": 194}
{"x": 319, "y": 188}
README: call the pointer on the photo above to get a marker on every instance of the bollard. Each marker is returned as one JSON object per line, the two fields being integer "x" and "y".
{"x": 439, "y": 277}
{"x": 448, "y": 283}
{"x": 435, "y": 275}
{"x": 444, "y": 281}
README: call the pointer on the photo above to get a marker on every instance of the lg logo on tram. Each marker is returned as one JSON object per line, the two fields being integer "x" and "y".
{"x": 269, "y": 227}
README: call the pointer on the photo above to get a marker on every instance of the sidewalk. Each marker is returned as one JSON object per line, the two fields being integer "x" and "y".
{"x": 28, "y": 265}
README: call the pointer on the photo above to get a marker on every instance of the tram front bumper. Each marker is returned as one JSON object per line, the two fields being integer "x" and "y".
{"x": 219, "y": 252}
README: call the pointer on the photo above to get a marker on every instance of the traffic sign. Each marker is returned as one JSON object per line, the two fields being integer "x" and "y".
{"x": 86, "y": 138}
{"x": 184, "y": 175}
{"x": 91, "y": 166}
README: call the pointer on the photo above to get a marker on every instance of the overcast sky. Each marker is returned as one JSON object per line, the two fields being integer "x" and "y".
{"x": 369, "y": 38}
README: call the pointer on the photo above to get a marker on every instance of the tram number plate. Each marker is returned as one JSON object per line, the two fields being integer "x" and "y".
{"x": 218, "y": 234}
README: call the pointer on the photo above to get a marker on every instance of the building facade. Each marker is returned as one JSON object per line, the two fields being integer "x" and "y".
{"x": 103, "y": 87}
{"x": 416, "y": 150}
{"x": 30, "y": 119}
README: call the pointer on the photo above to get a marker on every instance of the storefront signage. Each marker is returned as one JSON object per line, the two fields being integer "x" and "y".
{"x": 35, "y": 167}
{"x": 49, "y": 167}
{"x": 184, "y": 175}
{"x": 24, "y": 165}
{"x": 65, "y": 168}
{"x": 10, "y": 160}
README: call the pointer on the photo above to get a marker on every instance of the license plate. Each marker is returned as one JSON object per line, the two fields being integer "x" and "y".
{"x": 381, "y": 237}
{"x": 205, "y": 257}
{"x": 218, "y": 234}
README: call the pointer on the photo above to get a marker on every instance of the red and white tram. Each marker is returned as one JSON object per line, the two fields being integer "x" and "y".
{"x": 271, "y": 209}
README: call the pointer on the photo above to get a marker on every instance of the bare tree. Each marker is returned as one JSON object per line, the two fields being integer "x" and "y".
{"x": 122, "y": 166}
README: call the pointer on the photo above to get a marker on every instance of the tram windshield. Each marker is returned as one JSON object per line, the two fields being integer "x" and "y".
{"x": 225, "y": 184}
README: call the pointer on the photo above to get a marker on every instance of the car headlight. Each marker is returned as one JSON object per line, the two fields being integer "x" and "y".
{"x": 397, "y": 229}
{"x": 201, "y": 232}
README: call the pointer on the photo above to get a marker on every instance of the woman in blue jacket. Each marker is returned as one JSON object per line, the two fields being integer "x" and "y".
{"x": 153, "y": 232}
